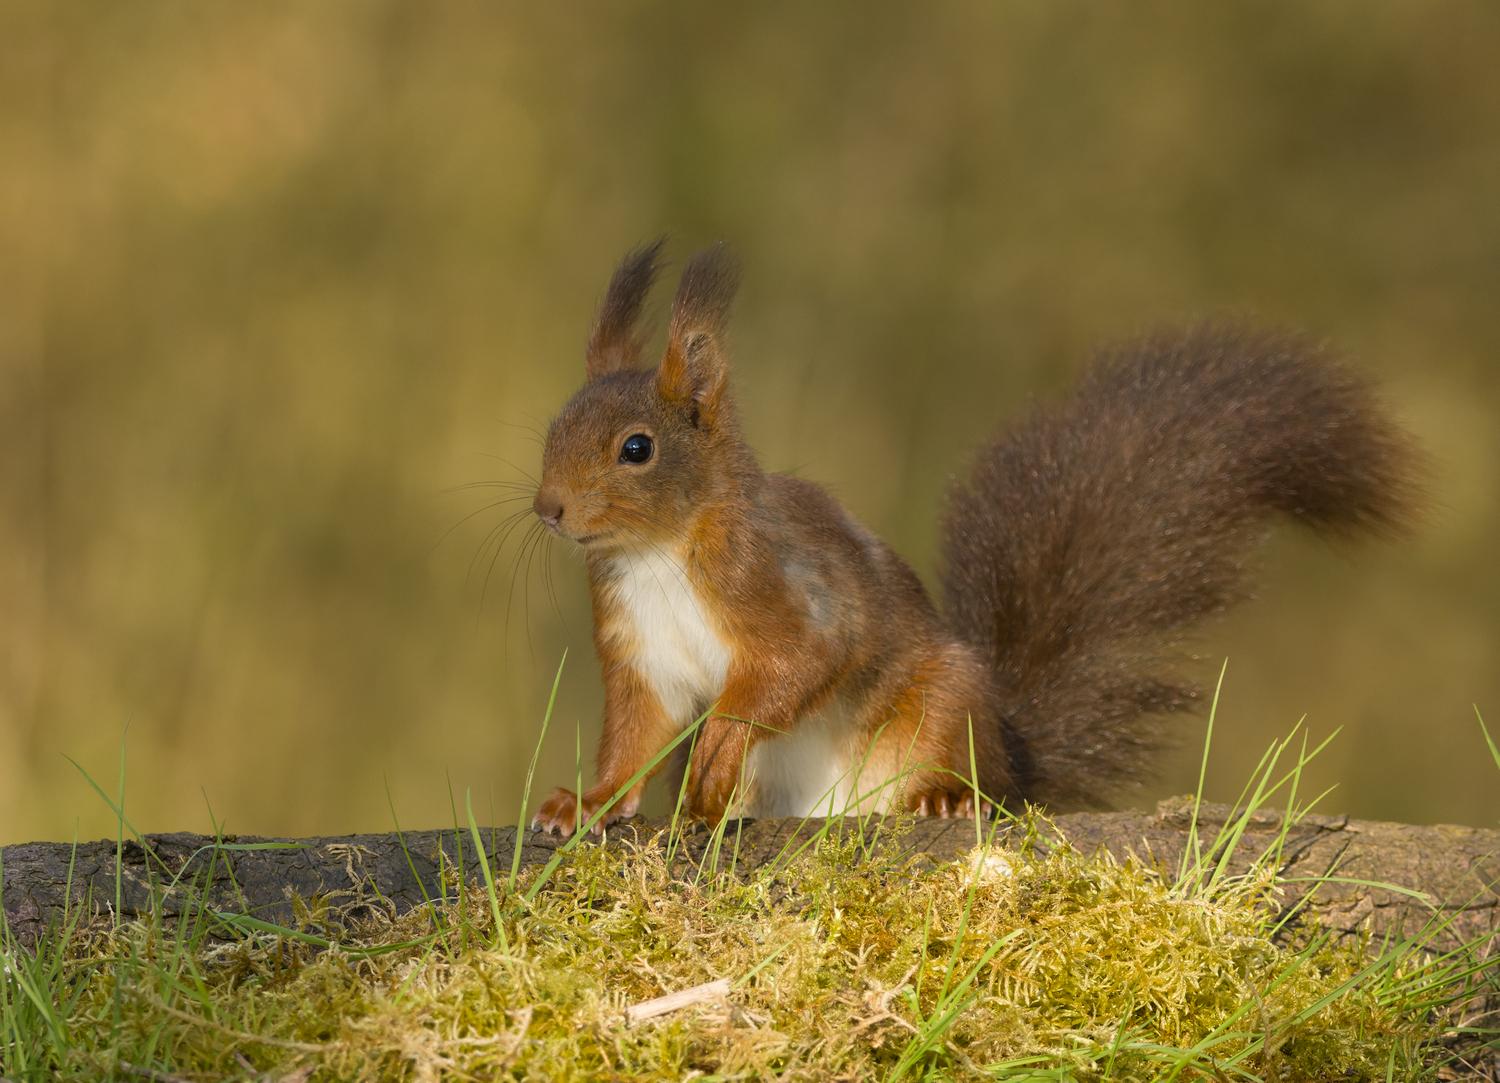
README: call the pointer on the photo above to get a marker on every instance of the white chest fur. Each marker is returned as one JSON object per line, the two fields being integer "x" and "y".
{"x": 671, "y": 640}
{"x": 822, "y": 767}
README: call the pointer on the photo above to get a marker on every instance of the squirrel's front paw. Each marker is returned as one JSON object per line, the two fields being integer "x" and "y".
{"x": 950, "y": 806}
{"x": 560, "y": 813}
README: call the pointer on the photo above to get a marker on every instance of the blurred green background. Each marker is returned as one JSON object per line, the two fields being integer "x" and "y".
{"x": 277, "y": 280}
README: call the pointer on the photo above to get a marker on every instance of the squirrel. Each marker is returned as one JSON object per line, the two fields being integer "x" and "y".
{"x": 1087, "y": 541}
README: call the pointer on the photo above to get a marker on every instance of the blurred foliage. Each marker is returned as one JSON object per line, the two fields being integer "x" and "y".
{"x": 276, "y": 280}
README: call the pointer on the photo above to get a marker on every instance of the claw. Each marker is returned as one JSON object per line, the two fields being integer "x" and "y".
{"x": 560, "y": 813}
{"x": 948, "y": 805}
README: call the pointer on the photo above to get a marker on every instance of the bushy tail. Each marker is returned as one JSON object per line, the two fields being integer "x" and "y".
{"x": 1090, "y": 538}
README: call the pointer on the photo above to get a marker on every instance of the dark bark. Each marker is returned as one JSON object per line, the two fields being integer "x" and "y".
{"x": 1457, "y": 867}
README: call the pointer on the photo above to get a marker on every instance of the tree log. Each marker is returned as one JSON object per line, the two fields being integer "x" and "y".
{"x": 1454, "y": 869}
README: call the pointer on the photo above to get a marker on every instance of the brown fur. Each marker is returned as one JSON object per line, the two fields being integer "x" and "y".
{"x": 1087, "y": 541}
{"x": 1090, "y": 538}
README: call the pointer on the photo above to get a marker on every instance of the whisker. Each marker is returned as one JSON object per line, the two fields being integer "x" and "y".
{"x": 534, "y": 482}
{"x": 535, "y": 428}
{"x": 526, "y": 588}
{"x": 534, "y": 538}
{"x": 484, "y": 547}
{"x": 489, "y": 571}
{"x": 517, "y": 486}
{"x": 466, "y": 518}
{"x": 552, "y": 590}
{"x": 504, "y": 529}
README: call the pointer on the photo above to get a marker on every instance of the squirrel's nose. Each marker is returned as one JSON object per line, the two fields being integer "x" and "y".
{"x": 548, "y": 509}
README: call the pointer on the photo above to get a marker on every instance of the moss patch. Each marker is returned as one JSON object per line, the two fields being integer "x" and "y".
{"x": 1005, "y": 965}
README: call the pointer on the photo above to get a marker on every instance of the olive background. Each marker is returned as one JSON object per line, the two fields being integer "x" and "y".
{"x": 284, "y": 286}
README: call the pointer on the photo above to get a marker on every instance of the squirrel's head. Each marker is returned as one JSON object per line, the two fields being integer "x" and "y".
{"x": 637, "y": 453}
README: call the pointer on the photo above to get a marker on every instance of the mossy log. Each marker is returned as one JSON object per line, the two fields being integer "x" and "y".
{"x": 1452, "y": 870}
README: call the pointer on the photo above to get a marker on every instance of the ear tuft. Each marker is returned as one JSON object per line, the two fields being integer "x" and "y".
{"x": 693, "y": 370}
{"x": 709, "y": 283}
{"x": 614, "y": 343}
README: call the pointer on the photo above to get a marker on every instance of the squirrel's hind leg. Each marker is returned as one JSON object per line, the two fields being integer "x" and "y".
{"x": 926, "y": 721}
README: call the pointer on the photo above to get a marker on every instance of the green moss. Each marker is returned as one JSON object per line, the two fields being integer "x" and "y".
{"x": 1007, "y": 965}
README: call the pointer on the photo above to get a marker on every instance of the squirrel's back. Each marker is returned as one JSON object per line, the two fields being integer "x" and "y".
{"x": 1091, "y": 537}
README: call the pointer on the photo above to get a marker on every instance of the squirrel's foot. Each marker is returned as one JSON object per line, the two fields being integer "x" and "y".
{"x": 948, "y": 805}
{"x": 560, "y": 814}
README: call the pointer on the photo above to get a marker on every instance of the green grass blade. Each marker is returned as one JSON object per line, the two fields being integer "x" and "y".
{"x": 1192, "y": 854}
{"x": 582, "y": 831}
{"x": 515, "y": 857}
{"x": 1494, "y": 752}
{"x": 489, "y": 879}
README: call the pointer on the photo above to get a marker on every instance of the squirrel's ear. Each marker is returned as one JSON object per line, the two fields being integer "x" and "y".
{"x": 694, "y": 370}
{"x": 614, "y": 343}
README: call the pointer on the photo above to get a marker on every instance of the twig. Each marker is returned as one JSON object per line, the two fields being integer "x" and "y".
{"x": 698, "y": 994}
{"x": 881, "y": 1018}
{"x": 244, "y": 1062}
{"x": 150, "y": 1073}
{"x": 280, "y": 1043}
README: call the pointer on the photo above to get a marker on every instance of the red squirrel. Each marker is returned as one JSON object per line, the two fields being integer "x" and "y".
{"x": 1087, "y": 541}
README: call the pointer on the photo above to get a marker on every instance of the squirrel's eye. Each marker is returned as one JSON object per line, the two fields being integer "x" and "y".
{"x": 636, "y": 449}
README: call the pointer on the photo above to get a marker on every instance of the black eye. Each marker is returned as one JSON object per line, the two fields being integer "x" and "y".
{"x": 636, "y": 449}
